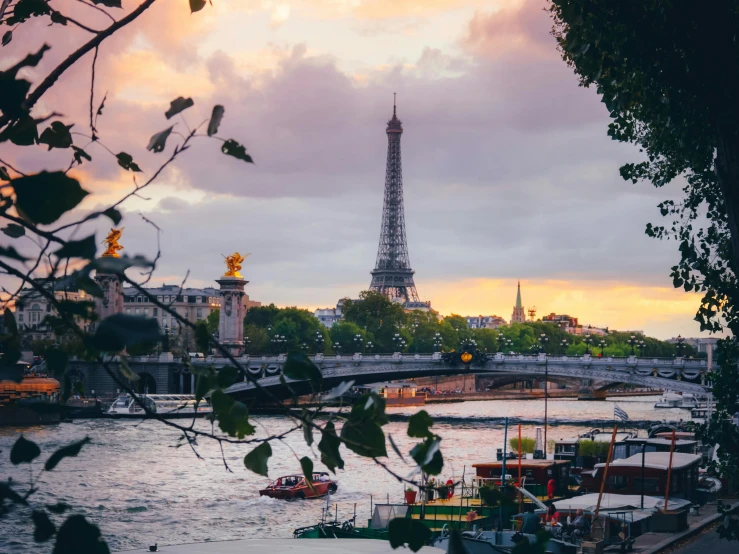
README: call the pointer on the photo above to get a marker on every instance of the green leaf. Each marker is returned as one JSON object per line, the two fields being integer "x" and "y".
{"x": 202, "y": 337}
{"x": 58, "y": 508}
{"x": 215, "y": 117}
{"x": 12, "y": 253}
{"x": 256, "y": 460}
{"x": 395, "y": 448}
{"x": 108, "y": 3}
{"x": 9, "y": 320}
{"x": 114, "y": 215}
{"x": 307, "y": 427}
{"x": 126, "y": 370}
{"x": 365, "y": 438}
{"x": 44, "y": 529}
{"x": 7, "y": 37}
{"x": 24, "y": 451}
{"x": 76, "y": 535}
{"x": 4, "y": 175}
{"x": 65, "y": 452}
{"x": 79, "y": 153}
{"x": 178, "y": 104}
{"x": 419, "y": 423}
{"x": 204, "y": 384}
{"x": 56, "y": 360}
{"x": 196, "y": 5}
{"x": 329, "y": 448}
{"x": 126, "y": 162}
{"x": 408, "y": 531}
{"x": 233, "y": 148}
{"x": 22, "y": 132}
{"x": 428, "y": 455}
{"x": 299, "y": 367}
{"x": 85, "y": 248}
{"x": 14, "y": 230}
{"x": 25, "y": 9}
{"x": 57, "y": 135}
{"x": 119, "y": 331}
{"x": 233, "y": 417}
{"x": 227, "y": 376}
{"x": 306, "y": 464}
{"x": 105, "y": 96}
{"x": 45, "y": 197}
{"x": 158, "y": 141}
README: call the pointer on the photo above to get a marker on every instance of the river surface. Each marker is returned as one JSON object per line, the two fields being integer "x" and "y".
{"x": 135, "y": 483}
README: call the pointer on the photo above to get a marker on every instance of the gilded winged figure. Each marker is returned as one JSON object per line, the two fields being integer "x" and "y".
{"x": 233, "y": 263}
{"x": 111, "y": 243}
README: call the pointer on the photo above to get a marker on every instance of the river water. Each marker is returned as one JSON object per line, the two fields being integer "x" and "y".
{"x": 140, "y": 489}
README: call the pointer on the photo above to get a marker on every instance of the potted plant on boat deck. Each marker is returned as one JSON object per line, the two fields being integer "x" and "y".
{"x": 410, "y": 495}
{"x": 443, "y": 491}
{"x": 430, "y": 484}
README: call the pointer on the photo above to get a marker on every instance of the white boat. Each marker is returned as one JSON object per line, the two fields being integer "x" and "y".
{"x": 165, "y": 405}
{"x": 686, "y": 401}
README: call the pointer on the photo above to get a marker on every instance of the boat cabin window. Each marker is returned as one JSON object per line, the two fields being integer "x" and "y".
{"x": 122, "y": 402}
{"x": 565, "y": 449}
{"x": 618, "y": 482}
{"x": 650, "y": 484}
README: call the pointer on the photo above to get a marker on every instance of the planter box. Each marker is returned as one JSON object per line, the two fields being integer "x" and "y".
{"x": 593, "y": 547}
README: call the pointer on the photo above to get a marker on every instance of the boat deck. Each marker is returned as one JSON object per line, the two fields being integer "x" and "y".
{"x": 270, "y": 546}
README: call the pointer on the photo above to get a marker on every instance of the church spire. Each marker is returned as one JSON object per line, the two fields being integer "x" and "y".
{"x": 519, "y": 304}
{"x": 518, "y": 315}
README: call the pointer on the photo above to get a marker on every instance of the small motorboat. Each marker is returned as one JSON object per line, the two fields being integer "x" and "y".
{"x": 685, "y": 401}
{"x": 296, "y": 486}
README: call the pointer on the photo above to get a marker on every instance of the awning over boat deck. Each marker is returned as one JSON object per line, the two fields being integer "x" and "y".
{"x": 618, "y": 502}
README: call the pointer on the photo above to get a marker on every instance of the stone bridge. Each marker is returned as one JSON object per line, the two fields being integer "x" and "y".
{"x": 676, "y": 374}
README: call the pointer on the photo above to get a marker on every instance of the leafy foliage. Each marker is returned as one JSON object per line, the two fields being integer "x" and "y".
{"x": 45, "y": 197}
{"x": 412, "y": 532}
{"x": 527, "y": 444}
{"x": 233, "y": 148}
{"x": 24, "y": 451}
{"x": 362, "y": 433}
{"x": 257, "y": 459}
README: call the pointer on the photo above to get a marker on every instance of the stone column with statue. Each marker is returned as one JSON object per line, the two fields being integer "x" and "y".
{"x": 112, "y": 300}
{"x": 231, "y": 323}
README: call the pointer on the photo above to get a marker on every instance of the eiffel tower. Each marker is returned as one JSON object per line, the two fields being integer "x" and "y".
{"x": 393, "y": 275}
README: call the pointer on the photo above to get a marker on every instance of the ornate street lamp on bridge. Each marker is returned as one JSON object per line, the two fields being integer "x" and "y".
{"x": 319, "y": 342}
{"x": 679, "y": 346}
{"x": 633, "y": 341}
{"x": 359, "y": 342}
{"x": 337, "y": 348}
{"x": 437, "y": 341}
{"x": 588, "y": 340}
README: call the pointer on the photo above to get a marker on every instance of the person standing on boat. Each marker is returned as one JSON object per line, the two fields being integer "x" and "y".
{"x": 530, "y": 524}
{"x": 551, "y": 487}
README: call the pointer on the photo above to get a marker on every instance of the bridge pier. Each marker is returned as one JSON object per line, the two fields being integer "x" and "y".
{"x": 588, "y": 392}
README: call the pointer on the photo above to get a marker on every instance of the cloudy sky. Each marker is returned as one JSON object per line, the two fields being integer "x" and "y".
{"x": 508, "y": 172}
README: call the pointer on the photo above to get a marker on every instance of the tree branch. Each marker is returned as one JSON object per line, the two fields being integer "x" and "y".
{"x": 52, "y": 77}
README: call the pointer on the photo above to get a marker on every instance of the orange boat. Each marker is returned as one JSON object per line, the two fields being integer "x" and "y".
{"x": 295, "y": 486}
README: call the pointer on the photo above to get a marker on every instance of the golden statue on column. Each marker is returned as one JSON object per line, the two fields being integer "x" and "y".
{"x": 111, "y": 242}
{"x": 233, "y": 264}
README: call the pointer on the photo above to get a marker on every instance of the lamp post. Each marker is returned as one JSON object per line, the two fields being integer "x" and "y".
{"x": 543, "y": 340}
{"x": 564, "y": 344}
{"x": 337, "y": 348}
{"x": 680, "y": 345}
{"x": 247, "y": 340}
{"x": 414, "y": 326}
{"x": 640, "y": 345}
{"x": 588, "y": 340}
{"x": 319, "y": 342}
{"x": 602, "y": 345}
{"x": 369, "y": 346}
{"x": 437, "y": 341}
{"x": 501, "y": 341}
{"x": 358, "y": 341}
{"x": 632, "y": 342}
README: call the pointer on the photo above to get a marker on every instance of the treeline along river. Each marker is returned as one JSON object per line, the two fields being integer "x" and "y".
{"x": 140, "y": 488}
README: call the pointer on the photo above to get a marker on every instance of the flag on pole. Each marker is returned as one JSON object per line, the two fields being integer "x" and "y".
{"x": 620, "y": 414}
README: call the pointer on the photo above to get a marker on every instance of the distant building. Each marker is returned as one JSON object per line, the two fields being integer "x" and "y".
{"x": 32, "y": 308}
{"x": 485, "y": 322}
{"x": 518, "y": 314}
{"x": 565, "y": 322}
{"x": 702, "y": 344}
{"x": 192, "y": 304}
{"x": 329, "y": 316}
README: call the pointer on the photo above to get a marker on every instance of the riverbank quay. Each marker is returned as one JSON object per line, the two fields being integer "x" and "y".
{"x": 270, "y": 546}
{"x": 654, "y": 543}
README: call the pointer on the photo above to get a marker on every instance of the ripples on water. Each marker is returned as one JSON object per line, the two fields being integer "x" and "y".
{"x": 140, "y": 489}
